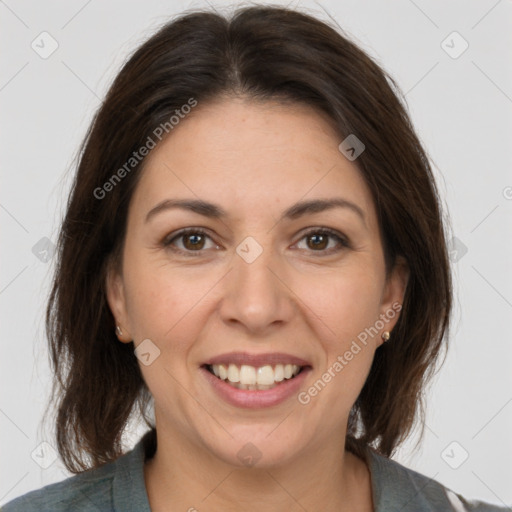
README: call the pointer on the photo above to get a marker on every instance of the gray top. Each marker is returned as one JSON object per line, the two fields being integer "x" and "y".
{"x": 119, "y": 487}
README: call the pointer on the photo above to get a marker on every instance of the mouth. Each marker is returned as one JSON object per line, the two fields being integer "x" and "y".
{"x": 255, "y": 378}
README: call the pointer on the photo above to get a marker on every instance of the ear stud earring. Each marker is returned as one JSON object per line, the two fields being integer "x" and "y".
{"x": 118, "y": 331}
{"x": 386, "y": 336}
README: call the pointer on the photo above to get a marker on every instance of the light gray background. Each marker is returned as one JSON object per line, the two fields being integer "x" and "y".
{"x": 462, "y": 108}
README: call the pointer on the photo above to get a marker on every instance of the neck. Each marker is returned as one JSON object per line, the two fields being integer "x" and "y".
{"x": 182, "y": 476}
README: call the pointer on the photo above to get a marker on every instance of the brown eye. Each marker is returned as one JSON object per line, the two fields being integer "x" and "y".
{"x": 318, "y": 240}
{"x": 192, "y": 240}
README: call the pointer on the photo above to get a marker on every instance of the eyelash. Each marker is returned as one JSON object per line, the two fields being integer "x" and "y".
{"x": 167, "y": 242}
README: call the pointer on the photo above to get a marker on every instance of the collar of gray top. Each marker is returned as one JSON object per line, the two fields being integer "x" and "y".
{"x": 394, "y": 486}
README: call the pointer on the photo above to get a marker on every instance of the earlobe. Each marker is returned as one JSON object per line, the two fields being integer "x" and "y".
{"x": 117, "y": 304}
{"x": 394, "y": 294}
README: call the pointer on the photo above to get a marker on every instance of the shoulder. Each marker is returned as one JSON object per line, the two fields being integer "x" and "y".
{"x": 116, "y": 486}
{"x": 84, "y": 492}
{"x": 398, "y": 487}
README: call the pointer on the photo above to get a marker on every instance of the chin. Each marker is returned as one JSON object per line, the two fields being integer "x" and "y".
{"x": 257, "y": 450}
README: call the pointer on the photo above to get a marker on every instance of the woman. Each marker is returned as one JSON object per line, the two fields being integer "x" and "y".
{"x": 253, "y": 246}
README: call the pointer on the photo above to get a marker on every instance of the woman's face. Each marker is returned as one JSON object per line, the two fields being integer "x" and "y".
{"x": 258, "y": 281}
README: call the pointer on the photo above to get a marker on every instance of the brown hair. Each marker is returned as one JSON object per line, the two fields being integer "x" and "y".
{"x": 260, "y": 53}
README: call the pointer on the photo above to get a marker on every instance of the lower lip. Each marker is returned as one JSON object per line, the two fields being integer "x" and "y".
{"x": 252, "y": 399}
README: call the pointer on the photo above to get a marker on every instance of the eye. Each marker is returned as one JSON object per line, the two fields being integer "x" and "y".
{"x": 320, "y": 238}
{"x": 193, "y": 240}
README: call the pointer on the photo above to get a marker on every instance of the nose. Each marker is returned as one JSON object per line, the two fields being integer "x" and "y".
{"x": 257, "y": 292}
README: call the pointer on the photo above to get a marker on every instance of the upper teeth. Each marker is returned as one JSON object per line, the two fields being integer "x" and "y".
{"x": 246, "y": 374}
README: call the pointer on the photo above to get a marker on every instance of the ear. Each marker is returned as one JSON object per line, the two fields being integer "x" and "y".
{"x": 117, "y": 302}
{"x": 393, "y": 296}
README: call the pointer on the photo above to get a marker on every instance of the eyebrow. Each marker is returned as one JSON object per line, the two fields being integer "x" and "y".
{"x": 294, "y": 212}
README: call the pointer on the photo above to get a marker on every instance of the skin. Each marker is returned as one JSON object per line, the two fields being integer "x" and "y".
{"x": 255, "y": 160}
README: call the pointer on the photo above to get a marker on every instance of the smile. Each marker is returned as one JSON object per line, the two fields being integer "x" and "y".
{"x": 254, "y": 378}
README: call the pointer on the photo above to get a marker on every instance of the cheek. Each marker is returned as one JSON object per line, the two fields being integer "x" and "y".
{"x": 165, "y": 310}
{"x": 345, "y": 302}
{"x": 343, "y": 307}
{"x": 163, "y": 304}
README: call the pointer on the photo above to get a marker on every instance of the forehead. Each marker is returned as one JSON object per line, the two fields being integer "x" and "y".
{"x": 251, "y": 155}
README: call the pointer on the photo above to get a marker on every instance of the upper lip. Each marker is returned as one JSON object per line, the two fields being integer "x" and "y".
{"x": 256, "y": 360}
